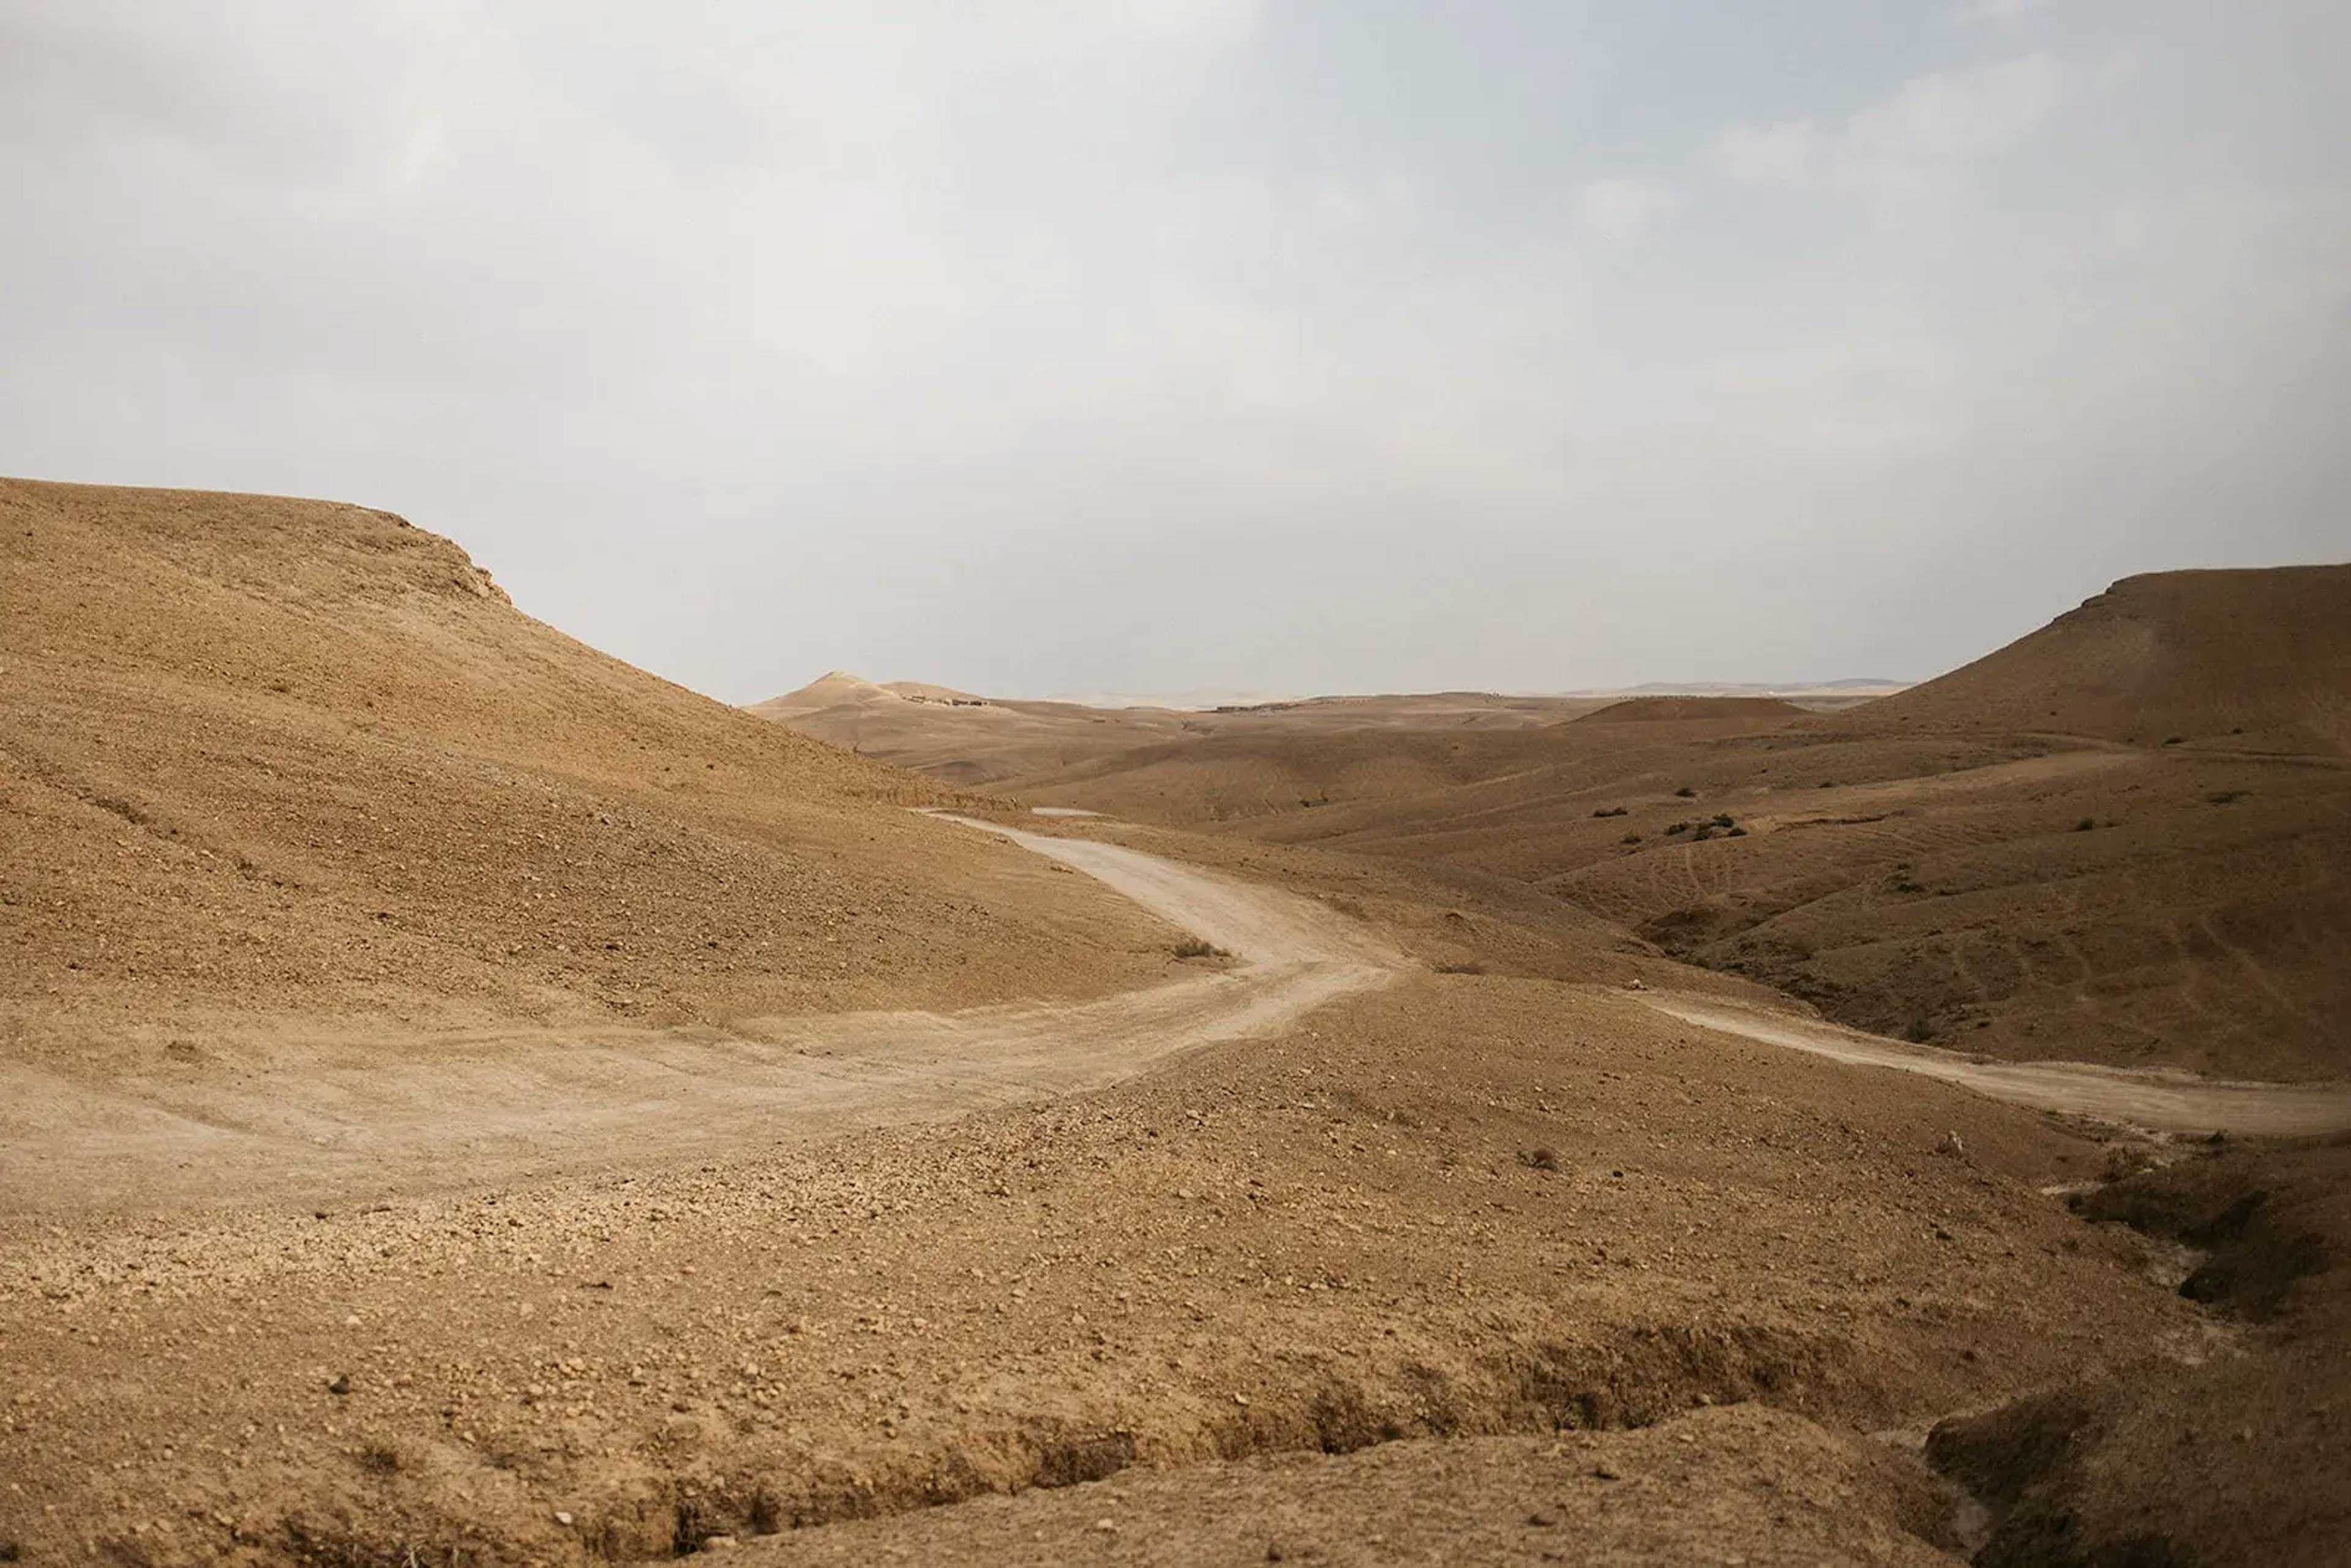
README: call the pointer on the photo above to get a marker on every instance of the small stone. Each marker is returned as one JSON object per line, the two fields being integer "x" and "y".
{"x": 1107, "y": 1526}
{"x": 1606, "y": 1472}
{"x": 1273, "y": 1552}
{"x": 563, "y": 1519}
{"x": 718, "y": 1544}
{"x": 351, "y": 1322}
{"x": 1541, "y": 1521}
{"x": 341, "y": 1385}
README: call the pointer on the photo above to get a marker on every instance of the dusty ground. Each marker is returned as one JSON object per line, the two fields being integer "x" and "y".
{"x": 228, "y": 1126}
{"x": 1461, "y": 1205}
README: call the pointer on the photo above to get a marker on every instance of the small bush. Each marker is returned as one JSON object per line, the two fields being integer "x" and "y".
{"x": 1610, "y": 811}
{"x": 2173, "y": 740}
{"x": 1462, "y": 966}
{"x": 1827, "y": 784}
{"x": 2227, "y": 796}
{"x": 1705, "y": 830}
{"x": 1723, "y": 820}
{"x": 1539, "y": 1159}
{"x": 1630, "y": 839}
{"x": 2085, "y": 825}
{"x": 1194, "y": 947}
{"x": 1736, "y": 833}
{"x": 1687, "y": 793}
{"x": 1678, "y": 828}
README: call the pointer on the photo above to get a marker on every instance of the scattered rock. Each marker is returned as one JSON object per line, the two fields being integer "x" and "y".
{"x": 341, "y": 1385}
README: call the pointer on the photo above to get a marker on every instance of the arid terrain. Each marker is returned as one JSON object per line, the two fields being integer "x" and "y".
{"x": 468, "y": 1101}
{"x": 2120, "y": 840}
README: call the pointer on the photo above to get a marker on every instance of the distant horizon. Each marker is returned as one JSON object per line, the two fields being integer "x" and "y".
{"x": 1204, "y": 700}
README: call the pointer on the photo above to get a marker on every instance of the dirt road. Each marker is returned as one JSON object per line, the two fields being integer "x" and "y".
{"x": 2160, "y": 1102}
{"x": 305, "y": 1123}
{"x": 310, "y": 1123}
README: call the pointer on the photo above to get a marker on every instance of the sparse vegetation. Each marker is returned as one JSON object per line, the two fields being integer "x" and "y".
{"x": 2085, "y": 825}
{"x": 2227, "y": 796}
{"x": 1195, "y": 948}
{"x": 1461, "y": 966}
{"x": 1687, "y": 793}
{"x": 1678, "y": 828}
{"x": 1724, "y": 820}
{"x": 1610, "y": 811}
{"x": 1630, "y": 839}
{"x": 1540, "y": 1158}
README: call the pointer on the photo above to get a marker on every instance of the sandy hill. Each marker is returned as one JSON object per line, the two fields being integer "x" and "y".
{"x": 2251, "y": 659}
{"x": 276, "y": 759}
{"x": 1651, "y": 710}
{"x": 1038, "y": 745}
{"x": 955, "y": 736}
{"x": 831, "y": 689}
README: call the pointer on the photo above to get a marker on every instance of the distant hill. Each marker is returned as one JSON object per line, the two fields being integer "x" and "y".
{"x": 2244, "y": 659}
{"x": 1651, "y": 710}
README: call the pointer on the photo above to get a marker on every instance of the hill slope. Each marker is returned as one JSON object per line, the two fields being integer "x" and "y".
{"x": 270, "y": 764}
{"x": 2251, "y": 659}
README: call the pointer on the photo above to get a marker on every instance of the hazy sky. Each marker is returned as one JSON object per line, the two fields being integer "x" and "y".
{"x": 1204, "y": 344}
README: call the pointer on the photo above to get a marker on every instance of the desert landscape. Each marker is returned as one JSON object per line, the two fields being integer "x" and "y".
{"x": 1178, "y": 783}
{"x": 471, "y": 1102}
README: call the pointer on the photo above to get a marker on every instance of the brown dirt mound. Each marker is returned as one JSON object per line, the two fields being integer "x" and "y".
{"x": 269, "y": 758}
{"x": 2252, "y": 660}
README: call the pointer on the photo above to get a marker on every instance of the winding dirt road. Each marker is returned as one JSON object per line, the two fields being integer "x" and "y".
{"x": 319, "y": 1125}
{"x": 2160, "y": 1102}
{"x": 322, "y": 1125}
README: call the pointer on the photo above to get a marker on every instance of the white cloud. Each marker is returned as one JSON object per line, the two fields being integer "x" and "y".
{"x": 1999, "y": 12}
{"x": 1788, "y": 153}
{"x": 1927, "y": 131}
{"x": 1625, "y": 209}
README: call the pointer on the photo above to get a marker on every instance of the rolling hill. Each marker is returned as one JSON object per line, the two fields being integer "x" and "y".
{"x": 2120, "y": 838}
{"x": 272, "y": 766}
{"x": 2256, "y": 660}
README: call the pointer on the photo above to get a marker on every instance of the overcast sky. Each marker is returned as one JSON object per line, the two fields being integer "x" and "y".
{"x": 1189, "y": 344}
